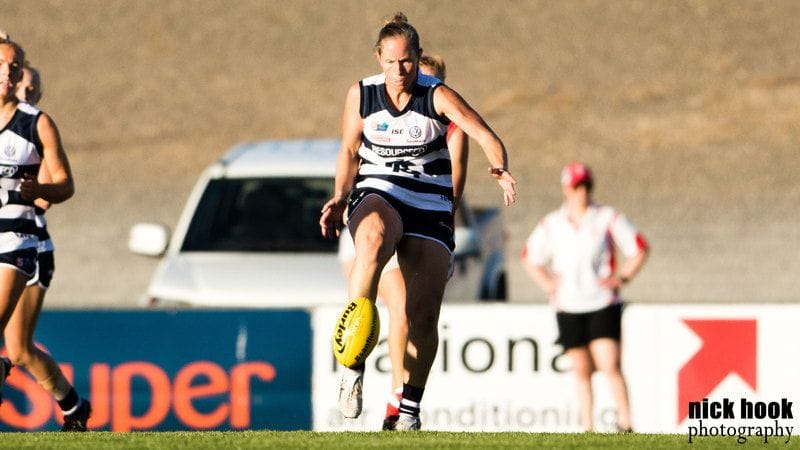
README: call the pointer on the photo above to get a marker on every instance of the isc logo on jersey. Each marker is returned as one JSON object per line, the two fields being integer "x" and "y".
{"x": 356, "y": 332}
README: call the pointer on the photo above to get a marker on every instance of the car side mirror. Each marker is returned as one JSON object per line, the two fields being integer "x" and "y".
{"x": 466, "y": 243}
{"x": 149, "y": 239}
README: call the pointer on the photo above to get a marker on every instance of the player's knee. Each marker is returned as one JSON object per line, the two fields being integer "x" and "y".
{"x": 424, "y": 325}
{"x": 372, "y": 242}
{"x": 582, "y": 368}
{"x": 610, "y": 370}
{"x": 20, "y": 355}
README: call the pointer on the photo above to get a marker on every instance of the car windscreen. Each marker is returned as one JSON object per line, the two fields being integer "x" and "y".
{"x": 261, "y": 215}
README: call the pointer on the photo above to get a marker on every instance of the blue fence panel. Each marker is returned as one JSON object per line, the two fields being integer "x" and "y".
{"x": 184, "y": 370}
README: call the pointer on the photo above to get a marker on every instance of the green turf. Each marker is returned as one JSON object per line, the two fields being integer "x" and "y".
{"x": 349, "y": 440}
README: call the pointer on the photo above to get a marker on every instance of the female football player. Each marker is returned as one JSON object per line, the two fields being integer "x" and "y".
{"x": 394, "y": 177}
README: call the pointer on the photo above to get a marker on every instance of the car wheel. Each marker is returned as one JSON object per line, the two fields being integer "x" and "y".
{"x": 501, "y": 288}
{"x": 497, "y": 293}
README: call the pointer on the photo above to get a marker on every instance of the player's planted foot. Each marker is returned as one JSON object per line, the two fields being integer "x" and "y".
{"x": 76, "y": 421}
{"x": 351, "y": 387}
{"x": 407, "y": 423}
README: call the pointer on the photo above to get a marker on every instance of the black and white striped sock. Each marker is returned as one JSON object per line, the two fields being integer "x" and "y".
{"x": 409, "y": 404}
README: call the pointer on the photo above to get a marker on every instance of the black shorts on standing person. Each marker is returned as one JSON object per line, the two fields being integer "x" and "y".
{"x": 578, "y": 329}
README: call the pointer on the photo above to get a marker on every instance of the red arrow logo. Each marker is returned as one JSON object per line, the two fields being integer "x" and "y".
{"x": 728, "y": 346}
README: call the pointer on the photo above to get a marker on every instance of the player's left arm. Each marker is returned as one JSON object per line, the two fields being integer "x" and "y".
{"x": 60, "y": 186}
{"x": 44, "y": 178}
{"x": 633, "y": 245}
{"x": 448, "y": 103}
{"x": 458, "y": 145}
{"x": 632, "y": 265}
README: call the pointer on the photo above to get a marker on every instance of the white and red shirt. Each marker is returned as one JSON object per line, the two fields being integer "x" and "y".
{"x": 581, "y": 255}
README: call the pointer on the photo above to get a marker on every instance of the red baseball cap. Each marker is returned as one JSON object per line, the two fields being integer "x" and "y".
{"x": 576, "y": 173}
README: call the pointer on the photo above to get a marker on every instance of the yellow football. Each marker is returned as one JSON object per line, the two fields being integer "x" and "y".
{"x": 356, "y": 332}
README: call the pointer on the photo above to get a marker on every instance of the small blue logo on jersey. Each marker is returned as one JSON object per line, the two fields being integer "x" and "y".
{"x": 9, "y": 151}
{"x": 380, "y": 126}
{"x": 415, "y": 132}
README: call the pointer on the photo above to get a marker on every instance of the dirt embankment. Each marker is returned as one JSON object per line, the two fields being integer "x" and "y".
{"x": 688, "y": 112}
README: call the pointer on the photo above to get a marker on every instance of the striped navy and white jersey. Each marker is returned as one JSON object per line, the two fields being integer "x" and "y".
{"x": 20, "y": 155}
{"x": 404, "y": 153}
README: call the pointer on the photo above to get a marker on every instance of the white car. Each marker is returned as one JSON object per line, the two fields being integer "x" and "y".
{"x": 249, "y": 236}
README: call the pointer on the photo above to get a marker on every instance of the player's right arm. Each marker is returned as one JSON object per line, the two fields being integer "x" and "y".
{"x": 331, "y": 221}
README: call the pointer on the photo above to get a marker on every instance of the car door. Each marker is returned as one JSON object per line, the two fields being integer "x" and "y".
{"x": 464, "y": 284}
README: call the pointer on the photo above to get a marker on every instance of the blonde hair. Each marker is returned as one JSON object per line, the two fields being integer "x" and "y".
{"x": 397, "y": 25}
{"x": 436, "y": 63}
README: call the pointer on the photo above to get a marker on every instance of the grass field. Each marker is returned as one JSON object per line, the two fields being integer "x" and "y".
{"x": 307, "y": 439}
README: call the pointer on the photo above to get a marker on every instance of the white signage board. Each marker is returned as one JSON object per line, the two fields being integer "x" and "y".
{"x": 498, "y": 368}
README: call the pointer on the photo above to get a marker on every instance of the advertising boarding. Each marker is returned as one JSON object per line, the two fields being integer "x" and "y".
{"x": 696, "y": 370}
{"x": 691, "y": 369}
{"x": 185, "y": 370}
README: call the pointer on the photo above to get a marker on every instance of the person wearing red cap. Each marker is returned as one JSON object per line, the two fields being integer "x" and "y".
{"x": 571, "y": 255}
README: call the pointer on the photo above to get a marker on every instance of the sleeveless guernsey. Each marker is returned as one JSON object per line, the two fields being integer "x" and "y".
{"x": 404, "y": 153}
{"x": 20, "y": 156}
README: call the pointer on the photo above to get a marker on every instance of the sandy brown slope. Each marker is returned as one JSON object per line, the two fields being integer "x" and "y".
{"x": 688, "y": 111}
